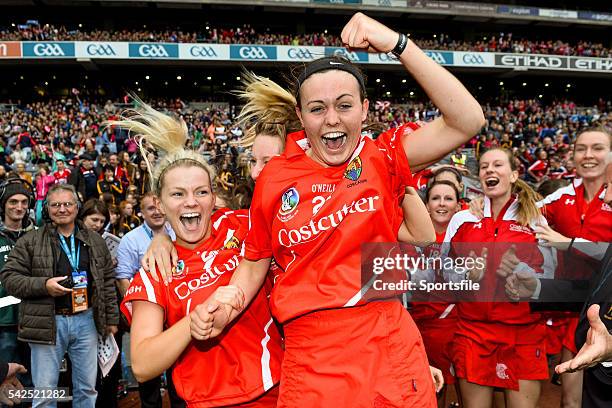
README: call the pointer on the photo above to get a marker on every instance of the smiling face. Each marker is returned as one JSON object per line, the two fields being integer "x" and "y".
{"x": 496, "y": 175}
{"x": 265, "y": 147}
{"x": 331, "y": 111}
{"x": 442, "y": 204}
{"x": 590, "y": 154}
{"x": 188, "y": 202}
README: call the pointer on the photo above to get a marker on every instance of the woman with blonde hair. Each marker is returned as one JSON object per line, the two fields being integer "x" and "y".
{"x": 241, "y": 366}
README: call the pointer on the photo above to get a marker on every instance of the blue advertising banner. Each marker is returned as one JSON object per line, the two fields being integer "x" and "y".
{"x": 56, "y": 49}
{"x": 253, "y": 52}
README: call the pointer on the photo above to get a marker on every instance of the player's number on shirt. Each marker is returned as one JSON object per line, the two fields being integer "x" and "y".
{"x": 317, "y": 203}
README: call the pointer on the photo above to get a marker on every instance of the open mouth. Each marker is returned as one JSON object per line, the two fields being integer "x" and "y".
{"x": 442, "y": 212}
{"x": 334, "y": 140}
{"x": 491, "y": 181}
{"x": 190, "y": 220}
{"x": 589, "y": 165}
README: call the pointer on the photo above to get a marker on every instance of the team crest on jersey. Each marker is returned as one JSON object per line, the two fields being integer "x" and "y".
{"x": 353, "y": 170}
{"x": 179, "y": 269}
{"x": 232, "y": 243}
{"x": 289, "y": 201}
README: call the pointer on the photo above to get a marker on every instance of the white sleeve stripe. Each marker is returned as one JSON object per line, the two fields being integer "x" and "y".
{"x": 557, "y": 195}
{"x": 266, "y": 371}
{"x": 148, "y": 286}
{"x": 447, "y": 311}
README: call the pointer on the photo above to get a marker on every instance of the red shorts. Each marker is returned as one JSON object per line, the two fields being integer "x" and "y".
{"x": 569, "y": 340}
{"x": 363, "y": 356}
{"x": 438, "y": 337}
{"x": 267, "y": 400}
{"x": 555, "y": 331}
{"x": 498, "y": 365}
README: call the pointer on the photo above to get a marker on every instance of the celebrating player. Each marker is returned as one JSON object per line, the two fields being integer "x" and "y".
{"x": 243, "y": 364}
{"x": 340, "y": 189}
{"x": 499, "y": 344}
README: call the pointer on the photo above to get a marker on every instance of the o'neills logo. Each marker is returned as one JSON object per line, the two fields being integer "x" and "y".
{"x": 207, "y": 278}
{"x": 310, "y": 231}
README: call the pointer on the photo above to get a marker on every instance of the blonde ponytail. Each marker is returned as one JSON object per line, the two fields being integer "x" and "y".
{"x": 269, "y": 109}
{"x": 527, "y": 197}
{"x": 167, "y": 135}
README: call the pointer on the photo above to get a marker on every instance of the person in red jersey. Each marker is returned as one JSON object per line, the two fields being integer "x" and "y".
{"x": 539, "y": 169}
{"x": 500, "y": 344}
{"x": 62, "y": 173}
{"x": 437, "y": 321}
{"x": 340, "y": 350}
{"x": 240, "y": 366}
{"x": 578, "y": 214}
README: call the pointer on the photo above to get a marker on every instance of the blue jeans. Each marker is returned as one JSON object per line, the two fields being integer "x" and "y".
{"x": 76, "y": 334}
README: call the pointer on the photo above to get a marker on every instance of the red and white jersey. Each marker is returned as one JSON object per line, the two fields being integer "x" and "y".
{"x": 61, "y": 177}
{"x": 313, "y": 220}
{"x": 539, "y": 168}
{"x": 422, "y": 311}
{"x": 243, "y": 362}
{"x": 498, "y": 235}
{"x": 570, "y": 215}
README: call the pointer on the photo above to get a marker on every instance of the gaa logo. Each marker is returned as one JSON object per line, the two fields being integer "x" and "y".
{"x": 301, "y": 54}
{"x": 473, "y": 59}
{"x": 147, "y": 50}
{"x": 253, "y": 53}
{"x": 100, "y": 50}
{"x": 202, "y": 51}
{"x": 351, "y": 56}
{"x": 48, "y": 50}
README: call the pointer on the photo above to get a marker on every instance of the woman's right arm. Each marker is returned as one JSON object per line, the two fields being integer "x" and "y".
{"x": 153, "y": 349}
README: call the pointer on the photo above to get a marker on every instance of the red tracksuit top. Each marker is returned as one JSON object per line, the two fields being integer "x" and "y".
{"x": 569, "y": 214}
{"x": 498, "y": 235}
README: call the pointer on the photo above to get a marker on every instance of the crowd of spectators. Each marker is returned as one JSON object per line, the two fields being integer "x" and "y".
{"x": 247, "y": 34}
{"x": 33, "y": 136}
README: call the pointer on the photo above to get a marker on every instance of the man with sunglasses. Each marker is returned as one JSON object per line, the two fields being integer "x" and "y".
{"x": 64, "y": 275}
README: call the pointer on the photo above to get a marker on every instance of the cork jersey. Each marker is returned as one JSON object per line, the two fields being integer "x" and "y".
{"x": 313, "y": 219}
{"x": 244, "y": 361}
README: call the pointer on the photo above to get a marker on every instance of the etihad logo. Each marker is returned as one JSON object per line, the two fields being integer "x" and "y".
{"x": 208, "y": 278}
{"x": 310, "y": 231}
{"x": 353, "y": 170}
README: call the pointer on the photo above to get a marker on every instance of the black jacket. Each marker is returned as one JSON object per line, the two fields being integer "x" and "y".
{"x": 597, "y": 388}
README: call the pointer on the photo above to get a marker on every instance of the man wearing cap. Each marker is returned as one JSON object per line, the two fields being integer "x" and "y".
{"x": 15, "y": 199}
{"x": 84, "y": 178}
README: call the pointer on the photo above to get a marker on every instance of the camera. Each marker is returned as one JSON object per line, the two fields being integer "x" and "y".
{"x": 68, "y": 283}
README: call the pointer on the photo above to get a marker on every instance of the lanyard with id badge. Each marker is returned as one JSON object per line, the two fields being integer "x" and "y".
{"x": 79, "y": 278}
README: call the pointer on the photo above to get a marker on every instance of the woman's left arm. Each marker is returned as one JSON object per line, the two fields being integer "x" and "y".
{"x": 462, "y": 115}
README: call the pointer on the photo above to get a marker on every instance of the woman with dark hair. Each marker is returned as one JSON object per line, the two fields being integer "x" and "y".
{"x": 95, "y": 215}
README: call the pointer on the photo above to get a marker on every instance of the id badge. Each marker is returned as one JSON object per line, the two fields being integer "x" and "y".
{"x": 79, "y": 291}
{"x": 79, "y": 300}
{"x": 79, "y": 278}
